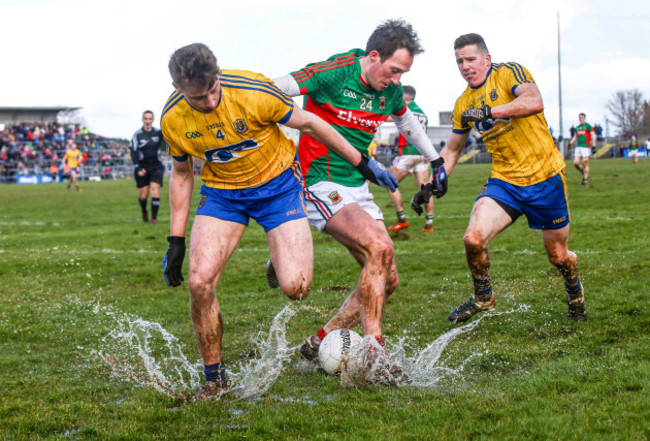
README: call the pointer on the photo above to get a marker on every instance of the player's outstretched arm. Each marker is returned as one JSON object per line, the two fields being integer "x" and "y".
{"x": 181, "y": 185}
{"x": 315, "y": 127}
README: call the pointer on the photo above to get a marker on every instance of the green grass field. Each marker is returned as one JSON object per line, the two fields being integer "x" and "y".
{"x": 75, "y": 268}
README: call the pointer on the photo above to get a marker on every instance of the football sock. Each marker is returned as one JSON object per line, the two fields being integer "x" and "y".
{"x": 143, "y": 204}
{"x": 321, "y": 333}
{"x": 401, "y": 216}
{"x": 483, "y": 287}
{"x": 155, "y": 205}
{"x": 429, "y": 219}
{"x": 573, "y": 290}
{"x": 380, "y": 340}
{"x": 215, "y": 372}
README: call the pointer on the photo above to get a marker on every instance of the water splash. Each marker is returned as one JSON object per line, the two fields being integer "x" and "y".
{"x": 256, "y": 376}
{"x": 369, "y": 364}
{"x": 144, "y": 353}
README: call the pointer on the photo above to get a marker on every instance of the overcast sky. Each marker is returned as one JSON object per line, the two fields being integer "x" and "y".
{"x": 111, "y": 57}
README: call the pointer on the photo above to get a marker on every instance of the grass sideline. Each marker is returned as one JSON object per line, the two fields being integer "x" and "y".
{"x": 536, "y": 375}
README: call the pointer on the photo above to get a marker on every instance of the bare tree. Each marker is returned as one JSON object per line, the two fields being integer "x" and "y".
{"x": 626, "y": 107}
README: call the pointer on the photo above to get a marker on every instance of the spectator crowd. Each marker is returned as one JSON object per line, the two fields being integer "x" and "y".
{"x": 39, "y": 148}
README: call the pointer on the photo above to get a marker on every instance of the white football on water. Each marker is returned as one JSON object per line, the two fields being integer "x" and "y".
{"x": 335, "y": 347}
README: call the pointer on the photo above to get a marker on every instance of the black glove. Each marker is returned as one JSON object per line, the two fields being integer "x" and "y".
{"x": 475, "y": 114}
{"x": 439, "y": 178}
{"x": 173, "y": 261}
{"x": 422, "y": 197}
{"x": 594, "y": 150}
{"x": 376, "y": 173}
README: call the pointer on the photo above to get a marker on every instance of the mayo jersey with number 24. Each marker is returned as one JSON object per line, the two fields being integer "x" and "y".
{"x": 338, "y": 94}
{"x": 522, "y": 149}
{"x": 240, "y": 141}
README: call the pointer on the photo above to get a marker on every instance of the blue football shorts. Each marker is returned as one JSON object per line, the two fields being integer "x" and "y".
{"x": 545, "y": 205}
{"x": 271, "y": 204}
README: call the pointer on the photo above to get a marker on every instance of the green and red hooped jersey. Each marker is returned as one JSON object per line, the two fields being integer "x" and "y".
{"x": 403, "y": 146}
{"x": 584, "y": 135}
{"x": 337, "y": 93}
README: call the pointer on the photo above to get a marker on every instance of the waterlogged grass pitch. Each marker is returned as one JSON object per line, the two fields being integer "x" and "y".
{"x": 93, "y": 345}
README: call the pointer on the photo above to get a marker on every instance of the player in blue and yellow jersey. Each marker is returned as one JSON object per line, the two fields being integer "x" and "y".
{"x": 355, "y": 92}
{"x": 72, "y": 159}
{"x": 504, "y": 105}
{"x": 229, "y": 119}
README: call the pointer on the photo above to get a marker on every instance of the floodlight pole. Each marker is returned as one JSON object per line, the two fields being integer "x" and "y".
{"x": 559, "y": 81}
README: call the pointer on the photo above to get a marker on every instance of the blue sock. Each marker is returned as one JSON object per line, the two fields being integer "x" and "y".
{"x": 483, "y": 287}
{"x": 573, "y": 290}
{"x": 215, "y": 372}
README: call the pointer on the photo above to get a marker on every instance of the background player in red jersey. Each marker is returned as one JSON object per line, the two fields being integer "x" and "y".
{"x": 355, "y": 92}
{"x": 585, "y": 139}
{"x": 410, "y": 162}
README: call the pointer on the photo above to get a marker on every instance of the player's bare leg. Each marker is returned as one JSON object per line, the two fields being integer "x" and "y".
{"x": 487, "y": 220}
{"x": 396, "y": 199}
{"x": 366, "y": 237}
{"x": 577, "y": 165}
{"x": 556, "y": 244}
{"x": 421, "y": 178}
{"x": 585, "y": 174}
{"x": 211, "y": 245}
{"x": 155, "y": 201}
{"x": 143, "y": 194}
{"x": 292, "y": 254}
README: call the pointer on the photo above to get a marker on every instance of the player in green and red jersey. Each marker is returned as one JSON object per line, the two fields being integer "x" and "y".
{"x": 585, "y": 139}
{"x": 410, "y": 162}
{"x": 355, "y": 92}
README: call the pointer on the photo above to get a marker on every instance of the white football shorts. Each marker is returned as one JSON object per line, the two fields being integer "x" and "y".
{"x": 411, "y": 163}
{"x": 325, "y": 198}
{"x": 585, "y": 152}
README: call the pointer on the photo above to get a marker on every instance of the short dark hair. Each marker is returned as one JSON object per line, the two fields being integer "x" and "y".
{"x": 582, "y": 114}
{"x": 147, "y": 111}
{"x": 410, "y": 91}
{"x": 195, "y": 64}
{"x": 467, "y": 39}
{"x": 392, "y": 35}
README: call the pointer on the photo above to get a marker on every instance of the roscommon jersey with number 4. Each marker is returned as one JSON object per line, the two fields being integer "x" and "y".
{"x": 240, "y": 142}
{"x": 522, "y": 149}
{"x": 337, "y": 93}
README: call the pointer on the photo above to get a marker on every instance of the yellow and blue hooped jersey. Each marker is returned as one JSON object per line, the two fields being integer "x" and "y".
{"x": 240, "y": 141}
{"x": 522, "y": 149}
{"x": 73, "y": 157}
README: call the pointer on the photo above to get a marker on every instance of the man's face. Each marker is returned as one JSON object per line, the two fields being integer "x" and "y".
{"x": 205, "y": 99}
{"x": 381, "y": 75}
{"x": 582, "y": 119}
{"x": 473, "y": 64}
{"x": 147, "y": 120}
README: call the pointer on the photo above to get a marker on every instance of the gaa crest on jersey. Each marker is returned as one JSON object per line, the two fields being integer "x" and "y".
{"x": 202, "y": 201}
{"x": 382, "y": 103}
{"x": 335, "y": 197}
{"x": 493, "y": 95}
{"x": 241, "y": 126}
{"x": 482, "y": 192}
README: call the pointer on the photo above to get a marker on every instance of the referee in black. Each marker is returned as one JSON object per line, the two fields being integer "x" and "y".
{"x": 146, "y": 146}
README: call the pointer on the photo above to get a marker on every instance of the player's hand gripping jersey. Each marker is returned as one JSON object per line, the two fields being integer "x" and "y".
{"x": 522, "y": 149}
{"x": 338, "y": 94}
{"x": 239, "y": 141}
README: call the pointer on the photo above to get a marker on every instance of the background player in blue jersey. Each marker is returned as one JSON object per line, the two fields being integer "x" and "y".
{"x": 146, "y": 145}
{"x": 503, "y": 103}
{"x": 230, "y": 120}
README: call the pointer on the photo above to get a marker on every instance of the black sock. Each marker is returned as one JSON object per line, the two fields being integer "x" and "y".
{"x": 143, "y": 204}
{"x": 155, "y": 205}
{"x": 401, "y": 216}
{"x": 215, "y": 372}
